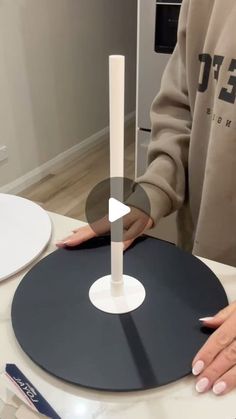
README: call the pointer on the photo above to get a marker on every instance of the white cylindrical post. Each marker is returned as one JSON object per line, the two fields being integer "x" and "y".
{"x": 116, "y": 89}
{"x": 117, "y": 92}
{"x": 117, "y": 293}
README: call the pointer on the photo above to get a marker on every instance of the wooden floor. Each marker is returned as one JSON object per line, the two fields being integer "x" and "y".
{"x": 65, "y": 189}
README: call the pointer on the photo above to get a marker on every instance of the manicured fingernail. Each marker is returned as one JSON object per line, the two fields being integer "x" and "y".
{"x": 61, "y": 243}
{"x": 198, "y": 367}
{"x": 219, "y": 387}
{"x": 206, "y": 319}
{"x": 202, "y": 385}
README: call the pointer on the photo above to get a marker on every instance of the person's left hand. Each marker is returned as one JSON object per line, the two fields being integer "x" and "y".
{"x": 215, "y": 363}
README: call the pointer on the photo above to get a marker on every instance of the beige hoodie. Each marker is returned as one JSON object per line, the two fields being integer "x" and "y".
{"x": 192, "y": 153}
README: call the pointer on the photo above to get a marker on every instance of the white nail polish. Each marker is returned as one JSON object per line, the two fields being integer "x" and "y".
{"x": 206, "y": 319}
{"x": 198, "y": 367}
{"x": 202, "y": 385}
{"x": 219, "y": 387}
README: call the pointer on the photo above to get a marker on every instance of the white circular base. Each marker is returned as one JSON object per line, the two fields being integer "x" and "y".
{"x": 117, "y": 298}
{"x": 25, "y": 230}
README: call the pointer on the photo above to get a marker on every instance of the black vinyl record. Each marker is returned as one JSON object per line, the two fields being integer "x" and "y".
{"x": 58, "y": 327}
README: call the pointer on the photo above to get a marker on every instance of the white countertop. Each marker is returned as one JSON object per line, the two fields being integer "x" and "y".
{"x": 177, "y": 400}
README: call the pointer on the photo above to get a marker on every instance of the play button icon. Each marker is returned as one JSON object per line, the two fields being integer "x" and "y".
{"x": 117, "y": 210}
{"x": 109, "y": 202}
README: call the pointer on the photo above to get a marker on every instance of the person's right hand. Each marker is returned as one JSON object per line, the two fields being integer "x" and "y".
{"x": 135, "y": 224}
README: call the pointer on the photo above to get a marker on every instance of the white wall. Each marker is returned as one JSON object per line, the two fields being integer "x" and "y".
{"x": 54, "y": 74}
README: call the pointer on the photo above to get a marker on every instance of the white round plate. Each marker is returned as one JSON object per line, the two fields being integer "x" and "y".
{"x": 25, "y": 230}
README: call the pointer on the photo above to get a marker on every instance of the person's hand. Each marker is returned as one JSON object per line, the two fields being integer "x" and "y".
{"x": 215, "y": 363}
{"x": 135, "y": 224}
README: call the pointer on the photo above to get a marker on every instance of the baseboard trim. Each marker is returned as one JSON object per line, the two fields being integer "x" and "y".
{"x": 40, "y": 172}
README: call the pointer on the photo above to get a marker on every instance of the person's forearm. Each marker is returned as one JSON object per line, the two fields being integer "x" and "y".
{"x": 165, "y": 177}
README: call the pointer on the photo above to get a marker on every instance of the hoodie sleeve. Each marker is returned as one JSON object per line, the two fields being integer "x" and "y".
{"x": 165, "y": 178}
